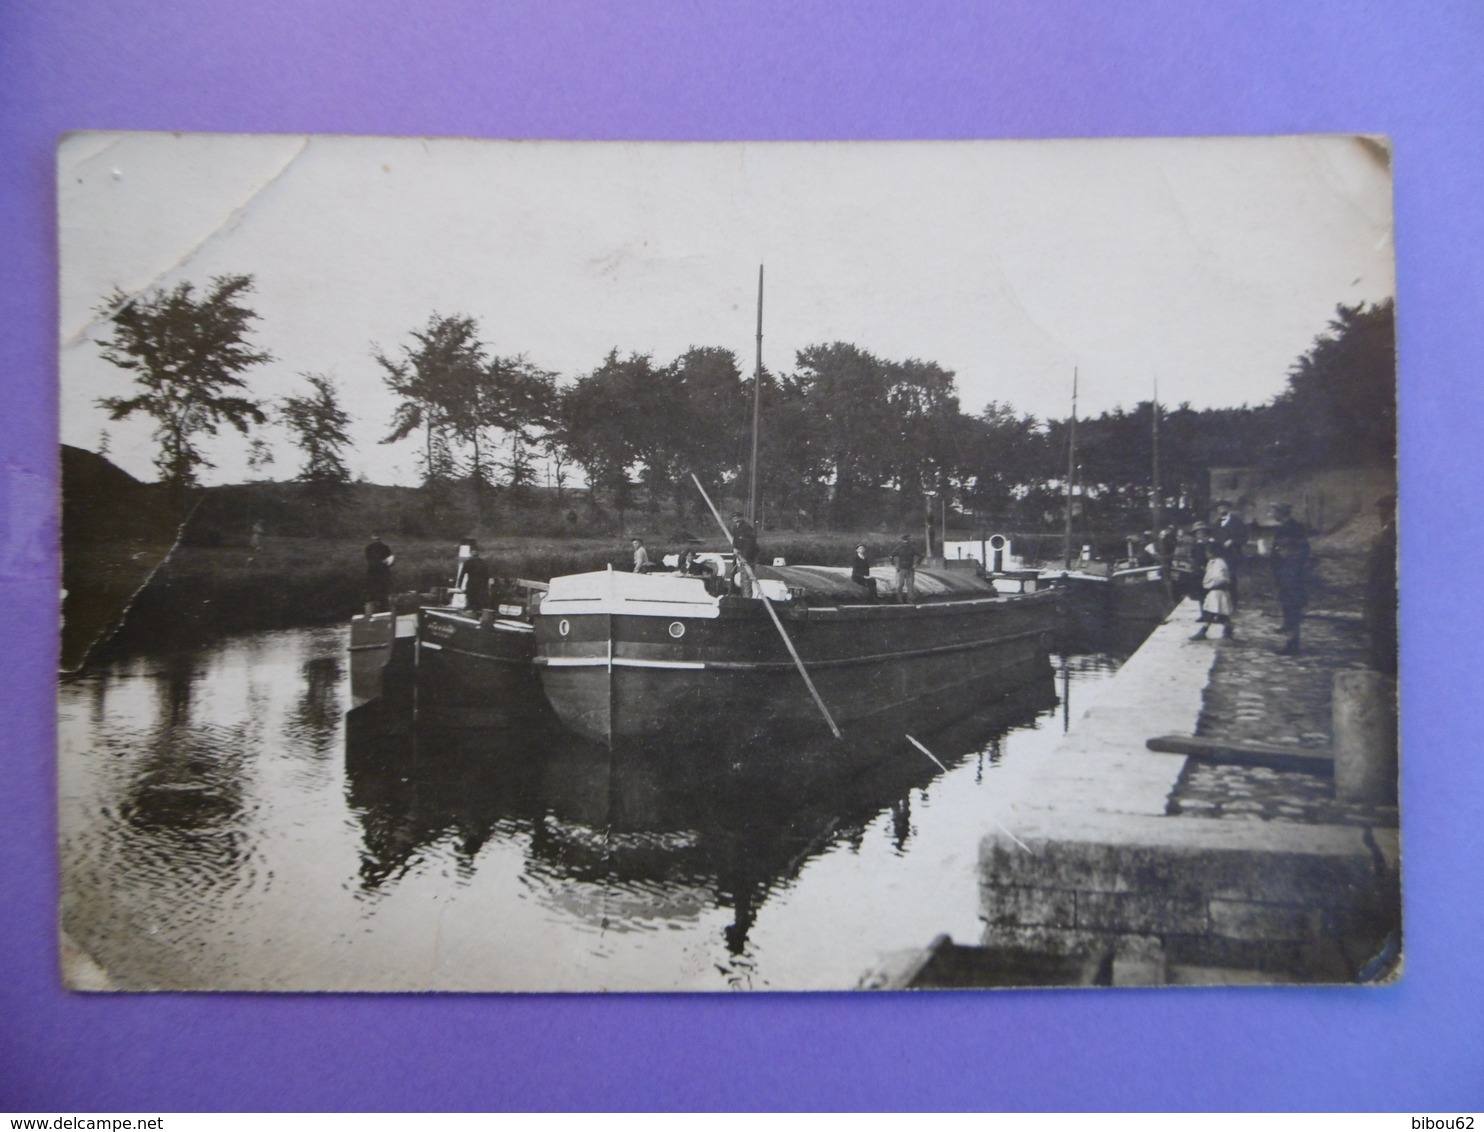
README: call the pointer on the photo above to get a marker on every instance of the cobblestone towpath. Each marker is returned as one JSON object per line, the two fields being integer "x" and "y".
{"x": 1257, "y": 695}
{"x": 1147, "y": 867}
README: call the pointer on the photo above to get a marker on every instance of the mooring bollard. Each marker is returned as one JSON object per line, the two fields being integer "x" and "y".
{"x": 1364, "y": 720}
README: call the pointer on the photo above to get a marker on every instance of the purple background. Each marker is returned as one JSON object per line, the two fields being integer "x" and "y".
{"x": 781, "y": 70}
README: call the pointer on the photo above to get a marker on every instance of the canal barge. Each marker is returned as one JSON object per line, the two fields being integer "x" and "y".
{"x": 626, "y": 657}
{"x": 474, "y": 666}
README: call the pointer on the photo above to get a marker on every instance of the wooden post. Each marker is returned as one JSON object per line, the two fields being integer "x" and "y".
{"x": 1364, "y": 707}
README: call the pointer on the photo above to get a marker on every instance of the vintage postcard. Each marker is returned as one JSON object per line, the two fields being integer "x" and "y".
{"x": 568, "y": 566}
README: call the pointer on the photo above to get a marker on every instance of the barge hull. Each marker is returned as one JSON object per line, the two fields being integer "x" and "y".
{"x": 613, "y": 677}
{"x": 476, "y": 671}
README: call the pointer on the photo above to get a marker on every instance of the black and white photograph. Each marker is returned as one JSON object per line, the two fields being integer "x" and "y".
{"x": 541, "y": 566}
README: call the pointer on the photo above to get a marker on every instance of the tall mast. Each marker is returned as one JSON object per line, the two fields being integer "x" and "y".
{"x": 757, "y": 397}
{"x": 1066, "y": 542}
{"x": 1155, "y": 494}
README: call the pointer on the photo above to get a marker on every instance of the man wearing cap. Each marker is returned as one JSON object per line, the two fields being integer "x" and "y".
{"x": 1290, "y": 574}
{"x": 744, "y": 543}
{"x": 904, "y": 558}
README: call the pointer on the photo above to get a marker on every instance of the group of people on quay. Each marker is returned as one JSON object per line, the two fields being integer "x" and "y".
{"x": 1217, "y": 552}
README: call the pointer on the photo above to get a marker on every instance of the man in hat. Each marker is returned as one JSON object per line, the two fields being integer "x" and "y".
{"x": 473, "y": 577}
{"x": 1290, "y": 573}
{"x": 1230, "y": 536}
{"x": 904, "y": 558}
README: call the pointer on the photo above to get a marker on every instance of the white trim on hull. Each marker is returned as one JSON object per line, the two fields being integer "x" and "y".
{"x": 634, "y": 671}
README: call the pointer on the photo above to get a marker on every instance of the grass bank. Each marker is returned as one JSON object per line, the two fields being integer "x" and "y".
{"x": 201, "y": 592}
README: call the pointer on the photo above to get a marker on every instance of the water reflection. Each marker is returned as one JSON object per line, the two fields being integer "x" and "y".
{"x": 659, "y": 832}
{"x": 316, "y": 716}
{"x": 225, "y": 825}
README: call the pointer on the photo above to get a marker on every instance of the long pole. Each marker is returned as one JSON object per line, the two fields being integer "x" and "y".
{"x": 757, "y": 397}
{"x": 1066, "y": 540}
{"x": 745, "y": 566}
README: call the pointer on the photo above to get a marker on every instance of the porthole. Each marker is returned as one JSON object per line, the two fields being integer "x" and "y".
{"x": 677, "y": 630}
{"x": 564, "y": 626}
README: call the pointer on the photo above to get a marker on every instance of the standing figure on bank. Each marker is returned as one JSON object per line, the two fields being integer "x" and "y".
{"x": 744, "y": 544}
{"x": 1216, "y": 605}
{"x": 379, "y": 559}
{"x": 1230, "y": 536}
{"x": 1290, "y": 574}
{"x": 860, "y": 572}
{"x": 1197, "y": 553}
{"x": 904, "y": 558}
{"x": 473, "y": 577}
{"x": 1380, "y": 591}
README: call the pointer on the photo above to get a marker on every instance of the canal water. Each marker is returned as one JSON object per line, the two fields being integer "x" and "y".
{"x": 226, "y": 824}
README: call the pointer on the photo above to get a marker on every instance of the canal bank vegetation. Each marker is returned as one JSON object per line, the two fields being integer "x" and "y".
{"x": 554, "y": 473}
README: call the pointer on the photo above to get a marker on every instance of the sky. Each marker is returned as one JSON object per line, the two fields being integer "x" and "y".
{"x": 1207, "y": 265}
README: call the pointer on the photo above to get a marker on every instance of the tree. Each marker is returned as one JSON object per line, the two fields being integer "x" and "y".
{"x": 509, "y": 396}
{"x": 557, "y": 458}
{"x": 319, "y": 426}
{"x": 259, "y": 456}
{"x": 1006, "y": 460}
{"x": 705, "y": 395}
{"x": 794, "y": 470}
{"x": 845, "y": 391}
{"x": 188, "y": 355}
{"x": 607, "y": 423}
{"x": 923, "y": 448}
{"x": 1340, "y": 405}
{"x": 445, "y": 360}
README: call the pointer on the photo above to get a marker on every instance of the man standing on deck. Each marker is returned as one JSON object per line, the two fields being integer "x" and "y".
{"x": 860, "y": 572}
{"x": 1290, "y": 574}
{"x": 379, "y": 559}
{"x": 641, "y": 556}
{"x": 904, "y": 558}
{"x": 473, "y": 577}
{"x": 744, "y": 543}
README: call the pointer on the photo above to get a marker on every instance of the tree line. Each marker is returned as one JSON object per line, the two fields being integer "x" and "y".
{"x": 847, "y": 437}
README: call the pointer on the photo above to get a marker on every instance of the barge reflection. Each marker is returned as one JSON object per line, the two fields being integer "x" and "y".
{"x": 662, "y": 833}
